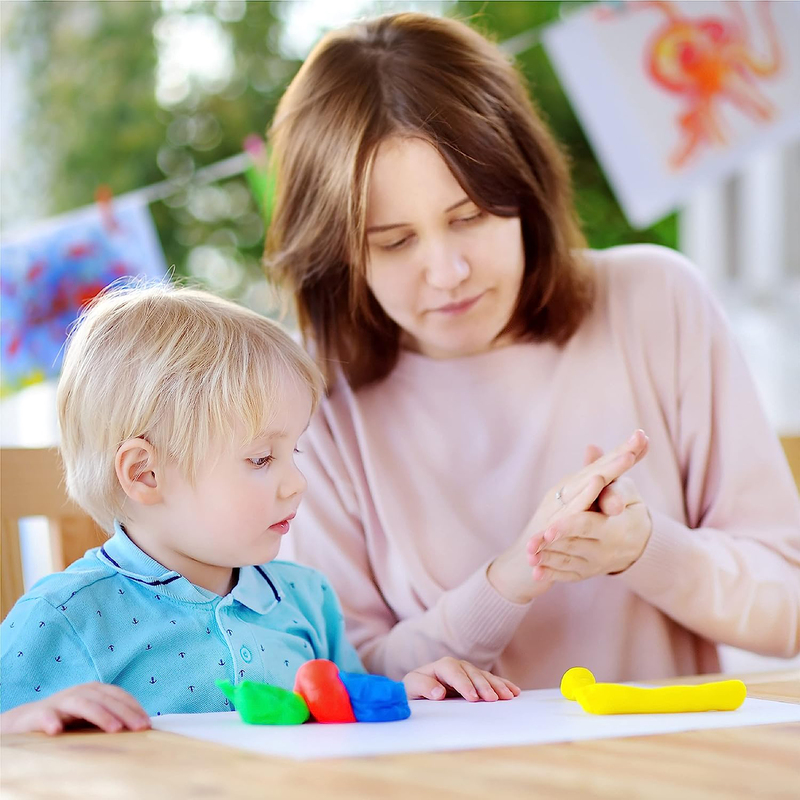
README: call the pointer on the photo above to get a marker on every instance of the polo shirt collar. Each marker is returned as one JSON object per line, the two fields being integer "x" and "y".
{"x": 254, "y": 589}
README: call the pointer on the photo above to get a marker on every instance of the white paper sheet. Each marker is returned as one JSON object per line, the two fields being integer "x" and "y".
{"x": 535, "y": 717}
{"x": 604, "y": 58}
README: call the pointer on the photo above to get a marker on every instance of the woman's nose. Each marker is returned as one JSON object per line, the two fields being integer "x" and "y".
{"x": 446, "y": 269}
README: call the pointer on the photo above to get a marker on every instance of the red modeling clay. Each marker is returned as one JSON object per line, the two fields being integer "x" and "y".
{"x": 318, "y": 683}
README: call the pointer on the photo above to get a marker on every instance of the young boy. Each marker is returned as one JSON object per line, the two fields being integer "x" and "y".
{"x": 180, "y": 413}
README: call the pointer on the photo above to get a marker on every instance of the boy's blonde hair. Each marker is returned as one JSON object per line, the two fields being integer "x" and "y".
{"x": 176, "y": 366}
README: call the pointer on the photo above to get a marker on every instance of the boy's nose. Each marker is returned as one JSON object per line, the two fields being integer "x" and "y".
{"x": 294, "y": 483}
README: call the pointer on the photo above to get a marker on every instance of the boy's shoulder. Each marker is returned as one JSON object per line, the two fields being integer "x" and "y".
{"x": 72, "y": 584}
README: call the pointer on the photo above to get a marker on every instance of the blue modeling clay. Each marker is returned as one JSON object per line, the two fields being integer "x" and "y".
{"x": 375, "y": 698}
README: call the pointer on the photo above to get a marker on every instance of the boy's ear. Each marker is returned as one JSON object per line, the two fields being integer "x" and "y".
{"x": 135, "y": 465}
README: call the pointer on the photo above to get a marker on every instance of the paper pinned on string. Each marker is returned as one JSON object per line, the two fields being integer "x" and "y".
{"x": 49, "y": 271}
{"x": 676, "y": 94}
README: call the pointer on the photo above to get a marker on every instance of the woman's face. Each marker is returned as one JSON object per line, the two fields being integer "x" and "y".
{"x": 445, "y": 271}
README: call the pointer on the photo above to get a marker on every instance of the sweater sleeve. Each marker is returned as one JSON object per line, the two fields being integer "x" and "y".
{"x": 41, "y": 654}
{"x": 471, "y": 621}
{"x": 732, "y": 573}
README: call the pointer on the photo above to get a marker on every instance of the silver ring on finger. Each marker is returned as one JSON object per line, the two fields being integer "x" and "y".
{"x": 560, "y": 497}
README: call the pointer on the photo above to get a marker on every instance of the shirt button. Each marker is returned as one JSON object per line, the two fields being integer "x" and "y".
{"x": 246, "y": 655}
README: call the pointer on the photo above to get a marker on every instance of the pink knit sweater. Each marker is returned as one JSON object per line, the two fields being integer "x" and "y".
{"x": 418, "y": 482}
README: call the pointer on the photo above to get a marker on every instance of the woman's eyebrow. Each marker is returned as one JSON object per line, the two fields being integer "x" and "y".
{"x": 381, "y": 228}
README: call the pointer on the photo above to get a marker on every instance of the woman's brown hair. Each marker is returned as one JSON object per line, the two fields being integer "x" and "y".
{"x": 436, "y": 79}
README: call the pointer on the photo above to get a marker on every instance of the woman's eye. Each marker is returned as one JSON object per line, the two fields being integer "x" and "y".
{"x": 261, "y": 461}
{"x": 396, "y": 245}
{"x": 471, "y": 218}
{"x": 298, "y": 451}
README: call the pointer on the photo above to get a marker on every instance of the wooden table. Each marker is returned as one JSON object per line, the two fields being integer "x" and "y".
{"x": 762, "y": 761}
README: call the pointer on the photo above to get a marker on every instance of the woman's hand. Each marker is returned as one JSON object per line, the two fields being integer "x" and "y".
{"x": 592, "y": 487}
{"x": 108, "y": 707}
{"x": 434, "y": 681}
{"x": 593, "y": 542}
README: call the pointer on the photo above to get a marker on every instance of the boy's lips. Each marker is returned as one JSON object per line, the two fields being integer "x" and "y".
{"x": 283, "y": 526}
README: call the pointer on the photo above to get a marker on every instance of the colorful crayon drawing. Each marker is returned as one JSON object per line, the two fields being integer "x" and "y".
{"x": 708, "y": 61}
{"x": 48, "y": 273}
{"x": 676, "y": 95}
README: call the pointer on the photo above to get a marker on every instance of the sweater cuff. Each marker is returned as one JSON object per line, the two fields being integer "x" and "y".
{"x": 662, "y": 565}
{"x": 482, "y": 616}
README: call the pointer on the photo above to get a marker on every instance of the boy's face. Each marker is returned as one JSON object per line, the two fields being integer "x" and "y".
{"x": 240, "y": 505}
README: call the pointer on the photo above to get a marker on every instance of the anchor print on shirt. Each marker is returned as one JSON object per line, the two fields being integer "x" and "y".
{"x": 182, "y": 655}
{"x": 149, "y": 647}
{"x": 152, "y": 680}
{"x": 58, "y": 659}
{"x": 37, "y": 688}
{"x": 135, "y": 621}
{"x": 41, "y": 624}
{"x": 191, "y": 689}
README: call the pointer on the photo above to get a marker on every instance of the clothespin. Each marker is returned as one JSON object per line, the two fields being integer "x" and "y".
{"x": 103, "y": 197}
{"x": 262, "y": 182}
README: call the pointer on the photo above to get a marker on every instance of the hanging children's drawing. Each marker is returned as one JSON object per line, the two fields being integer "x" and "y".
{"x": 49, "y": 271}
{"x": 673, "y": 94}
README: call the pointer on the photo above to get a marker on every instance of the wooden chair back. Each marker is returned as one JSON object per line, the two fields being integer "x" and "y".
{"x": 31, "y": 485}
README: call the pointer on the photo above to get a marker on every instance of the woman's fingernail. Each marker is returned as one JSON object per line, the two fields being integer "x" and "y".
{"x": 437, "y": 692}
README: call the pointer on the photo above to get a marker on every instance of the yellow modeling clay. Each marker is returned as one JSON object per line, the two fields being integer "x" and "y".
{"x": 613, "y": 698}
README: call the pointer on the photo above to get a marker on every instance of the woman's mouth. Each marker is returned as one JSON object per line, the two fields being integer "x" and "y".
{"x": 454, "y": 309}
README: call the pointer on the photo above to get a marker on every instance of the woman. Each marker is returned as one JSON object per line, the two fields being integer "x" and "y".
{"x": 473, "y": 349}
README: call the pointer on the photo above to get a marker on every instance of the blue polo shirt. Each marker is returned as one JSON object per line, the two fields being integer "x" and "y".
{"x": 118, "y": 616}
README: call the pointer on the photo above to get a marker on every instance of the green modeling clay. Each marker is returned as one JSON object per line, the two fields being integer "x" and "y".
{"x": 261, "y": 704}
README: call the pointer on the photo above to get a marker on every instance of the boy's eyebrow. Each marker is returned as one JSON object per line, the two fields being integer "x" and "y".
{"x": 276, "y": 434}
{"x": 381, "y": 228}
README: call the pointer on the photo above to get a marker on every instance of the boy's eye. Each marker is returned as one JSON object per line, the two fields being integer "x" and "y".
{"x": 261, "y": 461}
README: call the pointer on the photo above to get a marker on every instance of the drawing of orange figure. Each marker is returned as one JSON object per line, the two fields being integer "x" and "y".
{"x": 706, "y": 60}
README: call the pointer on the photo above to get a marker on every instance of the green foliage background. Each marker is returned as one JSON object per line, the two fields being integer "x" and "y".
{"x": 92, "y": 118}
